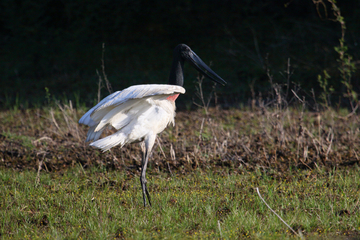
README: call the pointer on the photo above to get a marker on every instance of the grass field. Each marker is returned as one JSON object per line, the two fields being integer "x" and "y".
{"x": 202, "y": 177}
{"x": 100, "y": 204}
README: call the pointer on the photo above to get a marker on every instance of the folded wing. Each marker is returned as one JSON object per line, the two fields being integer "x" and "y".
{"x": 121, "y": 108}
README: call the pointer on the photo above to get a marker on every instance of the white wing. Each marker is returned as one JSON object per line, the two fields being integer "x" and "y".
{"x": 121, "y": 107}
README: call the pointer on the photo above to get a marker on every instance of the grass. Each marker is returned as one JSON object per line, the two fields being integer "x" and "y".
{"x": 202, "y": 177}
{"x": 101, "y": 204}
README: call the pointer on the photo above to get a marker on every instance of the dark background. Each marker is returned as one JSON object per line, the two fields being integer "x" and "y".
{"x": 57, "y": 44}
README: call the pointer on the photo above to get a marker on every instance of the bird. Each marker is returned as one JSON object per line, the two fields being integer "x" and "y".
{"x": 140, "y": 112}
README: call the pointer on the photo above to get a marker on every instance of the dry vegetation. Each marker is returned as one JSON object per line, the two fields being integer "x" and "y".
{"x": 230, "y": 140}
{"x": 304, "y": 163}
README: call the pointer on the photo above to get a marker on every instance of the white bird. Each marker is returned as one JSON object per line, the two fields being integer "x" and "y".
{"x": 140, "y": 112}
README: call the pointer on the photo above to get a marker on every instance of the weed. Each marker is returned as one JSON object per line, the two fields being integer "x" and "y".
{"x": 205, "y": 103}
{"x": 325, "y": 96}
{"x": 347, "y": 66}
{"x": 100, "y": 84}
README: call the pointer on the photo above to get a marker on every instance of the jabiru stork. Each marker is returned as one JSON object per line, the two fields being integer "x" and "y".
{"x": 140, "y": 112}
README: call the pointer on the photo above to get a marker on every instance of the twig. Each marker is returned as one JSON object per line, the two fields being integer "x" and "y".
{"x": 172, "y": 154}
{"x": 46, "y": 168}
{"x": 37, "y": 179}
{"x": 288, "y": 74}
{"x": 108, "y": 85}
{"x": 54, "y": 121}
{"x": 350, "y": 114}
{"x": 99, "y": 86}
{"x": 168, "y": 165}
{"x": 305, "y": 157}
{"x": 43, "y": 138}
{"x": 297, "y": 96}
{"x": 200, "y": 92}
{"x": 357, "y": 158}
{"x": 329, "y": 148}
{"x": 247, "y": 150}
{"x": 201, "y": 96}
{"x": 219, "y": 228}
{"x": 257, "y": 189}
{"x": 161, "y": 150}
{"x": 201, "y": 129}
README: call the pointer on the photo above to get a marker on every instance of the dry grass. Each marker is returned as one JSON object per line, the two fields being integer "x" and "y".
{"x": 290, "y": 154}
{"x": 238, "y": 140}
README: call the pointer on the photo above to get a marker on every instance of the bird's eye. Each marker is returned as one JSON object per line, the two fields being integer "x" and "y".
{"x": 185, "y": 53}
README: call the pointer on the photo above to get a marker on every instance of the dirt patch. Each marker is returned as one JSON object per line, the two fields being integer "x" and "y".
{"x": 223, "y": 140}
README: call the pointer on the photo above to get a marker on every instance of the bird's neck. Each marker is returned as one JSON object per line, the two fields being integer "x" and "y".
{"x": 176, "y": 73}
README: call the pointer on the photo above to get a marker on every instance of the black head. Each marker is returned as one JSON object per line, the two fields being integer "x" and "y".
{"x": 183, "y": 52}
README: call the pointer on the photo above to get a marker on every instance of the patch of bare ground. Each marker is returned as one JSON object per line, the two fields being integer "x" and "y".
{"x": 230, "y": 140}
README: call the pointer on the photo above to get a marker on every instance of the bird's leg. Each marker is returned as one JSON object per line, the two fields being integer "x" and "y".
{"x": 143, "y": 178}
{"x": 145, "y": 189}
{"x": 149, "y": 142}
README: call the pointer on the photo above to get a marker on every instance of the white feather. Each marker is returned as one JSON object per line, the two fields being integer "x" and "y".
{"x": 133, "y": 92}
{"x": 136, "y": 112}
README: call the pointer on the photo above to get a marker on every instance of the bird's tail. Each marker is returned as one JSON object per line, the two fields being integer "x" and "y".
{"x": 108, "y": 142}
{"x": 92, "y": 135}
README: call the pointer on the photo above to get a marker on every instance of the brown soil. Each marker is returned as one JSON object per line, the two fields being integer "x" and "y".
{"x": 229, "y": 140}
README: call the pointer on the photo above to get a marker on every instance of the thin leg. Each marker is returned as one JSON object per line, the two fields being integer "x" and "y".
{"x": 143, "y": 178}
{"x": 149, "y": 143}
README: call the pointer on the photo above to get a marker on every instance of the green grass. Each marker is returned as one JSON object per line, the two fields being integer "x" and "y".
{"x": 25, "y": 141}
{"x": 307, "y": 171}
{"x": 99, "y": 204}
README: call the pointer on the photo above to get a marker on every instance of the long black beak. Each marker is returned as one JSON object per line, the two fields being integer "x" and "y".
{"x": 196, "y": 61}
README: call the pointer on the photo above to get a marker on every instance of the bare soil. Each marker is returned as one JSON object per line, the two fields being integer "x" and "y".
{"x": 223, "y": 140}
